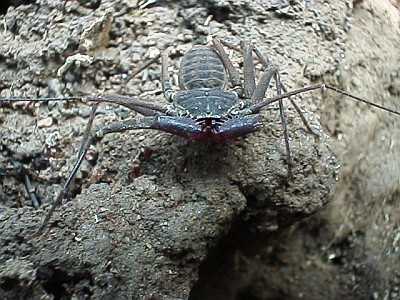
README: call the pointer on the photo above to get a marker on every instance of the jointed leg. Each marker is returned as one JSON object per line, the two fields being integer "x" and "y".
{"x": 88, "y": 140}
{"x": 249, "y": 68}
{"x": 265, "y": 62}
{"x": 252, "y": 91}
{"x": 147, "y": 109}
{"x": 184, "y": 127}
{"x": 284, "y": 126}
{"x": 258, "y": 93}
{"x": 248, "y": 71}
{"x": 233, "y": 74}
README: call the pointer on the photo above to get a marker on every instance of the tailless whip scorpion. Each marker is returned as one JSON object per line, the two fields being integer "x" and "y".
{"x": 211, "y": 105}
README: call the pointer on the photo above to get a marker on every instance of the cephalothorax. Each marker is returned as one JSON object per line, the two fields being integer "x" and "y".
{"x": 203, "y": 109}
{"x": 212, "y": 103}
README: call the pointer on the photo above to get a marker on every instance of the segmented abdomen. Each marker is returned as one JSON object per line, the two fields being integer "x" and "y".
{"x": 201, "y": 67}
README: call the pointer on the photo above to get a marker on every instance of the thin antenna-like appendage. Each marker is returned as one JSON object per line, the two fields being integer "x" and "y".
{"x": 128, "y": 102}
{"x": 49, "y": 99}
{"x": 360, "y": 99}
{"x": 322, "y": 86}
{"x": 258, "y": 106}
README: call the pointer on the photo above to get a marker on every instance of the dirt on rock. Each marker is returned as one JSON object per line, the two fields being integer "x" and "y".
{"x": 154, "y": 216}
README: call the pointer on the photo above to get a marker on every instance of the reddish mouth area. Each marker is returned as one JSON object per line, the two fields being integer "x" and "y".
{"x": 210, "y": 125}
{"x": 210, "y": 130}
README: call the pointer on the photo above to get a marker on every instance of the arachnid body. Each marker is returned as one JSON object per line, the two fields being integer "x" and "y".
{"x": 211, "y": 105}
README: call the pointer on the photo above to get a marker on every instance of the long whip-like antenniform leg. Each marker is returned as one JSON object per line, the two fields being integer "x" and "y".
{"x": 134, "y": 104}
{"x": 144, "y": 108}
{"x": 255, "y": 108}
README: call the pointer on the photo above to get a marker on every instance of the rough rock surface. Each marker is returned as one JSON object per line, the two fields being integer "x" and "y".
{"x": 156, "y": 216}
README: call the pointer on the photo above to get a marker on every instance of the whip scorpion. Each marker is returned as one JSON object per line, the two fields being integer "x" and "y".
{"x": 212, "y": 103}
